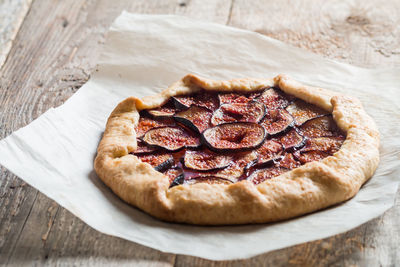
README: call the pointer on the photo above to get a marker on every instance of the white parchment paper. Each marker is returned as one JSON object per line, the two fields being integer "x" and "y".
{"x": 144, "y": 54}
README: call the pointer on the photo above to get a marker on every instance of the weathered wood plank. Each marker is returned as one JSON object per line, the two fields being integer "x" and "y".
{"x": 363, "y": 33}
{"x": 12, "y": 14}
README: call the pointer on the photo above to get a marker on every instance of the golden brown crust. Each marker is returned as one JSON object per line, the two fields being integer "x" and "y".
{"x": 308, "y": 188}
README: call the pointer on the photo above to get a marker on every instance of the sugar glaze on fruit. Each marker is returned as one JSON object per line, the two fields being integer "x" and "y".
{"x": 223, "y": 138}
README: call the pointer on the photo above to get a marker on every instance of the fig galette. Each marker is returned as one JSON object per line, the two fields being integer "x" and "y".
{"x": 237, "y": 152}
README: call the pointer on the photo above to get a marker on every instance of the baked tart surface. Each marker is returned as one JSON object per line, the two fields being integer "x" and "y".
{"x": 239, "y": 151}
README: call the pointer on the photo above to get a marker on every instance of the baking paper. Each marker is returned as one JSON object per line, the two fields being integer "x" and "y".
{"x": 144, "y": 54}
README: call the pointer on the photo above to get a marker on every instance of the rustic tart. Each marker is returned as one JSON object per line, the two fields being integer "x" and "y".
{"x": 237, "y": 152}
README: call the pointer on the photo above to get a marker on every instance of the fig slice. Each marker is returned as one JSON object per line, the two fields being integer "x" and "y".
{"x": 288, "y": 161}
{"x": 269, "y": 151}
{"x": 260, "y": 175}
{"x": 324, "y": 144}
{"x": 237, "y": 136}
{"x": 202, "y": 99}
{"x": 208, "y": 180}
{"x": 160, "y": 162}
{"x": 229, "y": 98}
{"x": 171, "y": 138}
{"x": 146, "y": 124}
{"x": 165, "y": 111}
{"x": 173, "y": 173}
{"x": 274, "y": 98}
{"x": 179, "y": 180}
{"x": 323, "y": 126}
{"x": 310, "y": 156}
{"x": 239, "y": 165}
{"x": 206, "y": 160}
{"x": 142, "y": 148}
{"x": 303, "y": 111}
{"x": 292, "y": 140}
{"x": 233, "y": 172}
{"x": 277, "y": 121}
{"x": 252, "y": 111}
{"x": 196, "y": 118}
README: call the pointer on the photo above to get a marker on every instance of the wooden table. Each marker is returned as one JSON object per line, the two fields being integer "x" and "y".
{"x": 48, "y": 49}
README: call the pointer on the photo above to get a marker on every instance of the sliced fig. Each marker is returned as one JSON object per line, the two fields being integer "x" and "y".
{"x": 238, "y": 166}
{"x": 171, "y": 138}
{"x": 237, "y": 136}
{"x": 143, "y": 148}
{"x": 165, "y": 111}
{"x": 320, "y": 127}
{"x": 229, "y": 98}
{"x": 202, "y": 99}
{"x": 277, "y": 121}
{"x": 303, "y": 111}
{"x": 178, "y": 157}
{"x": 252, "y": 111}
{"x": 310, "y": 156}
{"x": 206, "y": 160}
{"x": 324, "y": 144}
{"x": 173, "y": 173}
{"x": 196, "y": 118}
{"x": 233, "y": 172}
{"x": 273, "y": 98}
{"x": 180, "y": 179}
{"x": 292, "y": 140}
{"x": 208, "y": 180}
{"x": 160, "y": 162}
{"x": 146, "y": 124}
{"x": 288, "y": 161}
{"x": 260, "y": 175}
{"x": 269, "y": 151}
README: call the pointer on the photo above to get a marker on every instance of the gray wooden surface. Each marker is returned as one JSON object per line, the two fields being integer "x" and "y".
{"x": 48, "y": 50}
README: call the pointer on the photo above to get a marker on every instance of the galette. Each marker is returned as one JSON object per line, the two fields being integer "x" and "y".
{"x": 237, "y": 152}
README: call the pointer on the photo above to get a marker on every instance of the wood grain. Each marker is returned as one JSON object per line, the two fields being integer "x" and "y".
{"x": 363, "y": 33}
{"x": 12, "y": 13}
{"x": 54, "y": 53}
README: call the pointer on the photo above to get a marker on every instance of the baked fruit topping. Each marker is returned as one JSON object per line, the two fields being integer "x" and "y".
{"x": 320, "y": 127}
{"x": 146, "y": 123}
{"x": 166, "y": 111}
{"x": 197, "y": 118}
{"x": 302, "y": 111}
{"x": 324, "y": 144}
{"x": 171, "y": 138}
{"x": 223, "y": 138}
{"x": 288, "y": 161}
{"x": 236, "y": 136}
{"x": 260, "y": 175}
{"x": 230, "y": 98}
{"x": 142, "y": 148}
{"x": 274, "y": 98}
{"x": 269, "y": 151}
{"x": 203, "y": 99}
{"x": 293, "y": 140}
{"x": 160, "y": 162}
{"x": 251, "y": 111}
{"x": 277, "y": 121}
{"x": 206, "y": 160}
{"x": 208, "y": 180}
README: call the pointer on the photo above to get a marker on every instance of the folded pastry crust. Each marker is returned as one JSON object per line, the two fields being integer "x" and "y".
{"x": 313, "y": 186}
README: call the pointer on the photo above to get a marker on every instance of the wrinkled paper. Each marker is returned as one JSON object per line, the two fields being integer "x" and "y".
{"x": 144, "y": 54}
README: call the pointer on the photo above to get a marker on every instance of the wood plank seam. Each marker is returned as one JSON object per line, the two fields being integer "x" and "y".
{"x": 22, "y": 228}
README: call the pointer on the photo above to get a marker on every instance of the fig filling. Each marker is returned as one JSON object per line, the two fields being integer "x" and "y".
{"x": 224, "y": 138}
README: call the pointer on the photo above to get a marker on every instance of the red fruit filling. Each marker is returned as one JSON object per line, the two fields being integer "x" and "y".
{"x": 223, "y": 138}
